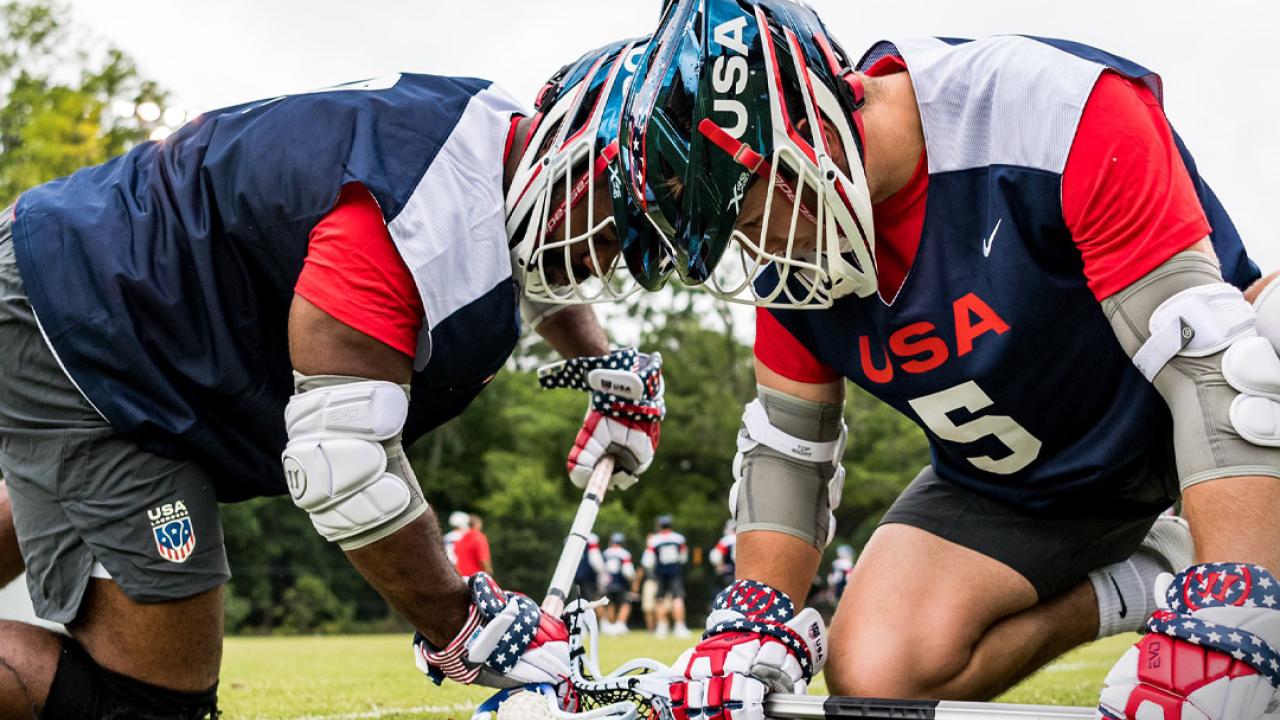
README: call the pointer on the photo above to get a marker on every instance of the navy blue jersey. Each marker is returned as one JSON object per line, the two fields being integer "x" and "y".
{"x": 666, "y": 554}
{"x": 163, "y": 278}
{"x": 617, "y": 563}
{"x": 999, "y": 350}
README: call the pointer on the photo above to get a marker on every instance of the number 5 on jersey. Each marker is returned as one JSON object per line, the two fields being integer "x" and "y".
{"x": 933, "y": 411}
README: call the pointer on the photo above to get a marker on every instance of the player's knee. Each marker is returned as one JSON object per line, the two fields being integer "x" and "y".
{"x": 84, "y": 690}
{"x": 908, "y": 664}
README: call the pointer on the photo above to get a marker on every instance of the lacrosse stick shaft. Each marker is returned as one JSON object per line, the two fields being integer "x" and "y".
{"x": 576, "y": 543}
{"x": 817, "y": 707}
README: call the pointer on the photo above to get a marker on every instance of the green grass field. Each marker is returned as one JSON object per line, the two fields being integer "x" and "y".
{"x": 373, "y": 677}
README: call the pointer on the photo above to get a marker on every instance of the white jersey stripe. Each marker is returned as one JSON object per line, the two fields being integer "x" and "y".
{"x": 452, "y": 232}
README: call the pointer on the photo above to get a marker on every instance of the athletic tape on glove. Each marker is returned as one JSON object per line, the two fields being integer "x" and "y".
{"x": 506, "y": 641}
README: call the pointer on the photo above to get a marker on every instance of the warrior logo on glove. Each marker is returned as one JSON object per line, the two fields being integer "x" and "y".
{"x": 624, "y": 414}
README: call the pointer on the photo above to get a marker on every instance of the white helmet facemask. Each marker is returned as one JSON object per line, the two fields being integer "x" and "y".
{"x": 558, "y": 255}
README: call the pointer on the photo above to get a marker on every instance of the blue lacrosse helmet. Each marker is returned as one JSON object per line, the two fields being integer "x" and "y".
{"x": 734, "y": 93}
{"x": 573, "y": 140}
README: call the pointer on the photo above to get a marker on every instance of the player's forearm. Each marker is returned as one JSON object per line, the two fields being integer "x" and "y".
{"x": 411, "y": 571}
{"x": 1218, "y": 510}
{"x": 778, "y": 560}
{"x": 575, "y": 332}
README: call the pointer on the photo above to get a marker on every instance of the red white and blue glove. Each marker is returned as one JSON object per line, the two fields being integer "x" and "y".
{"x": 1211, "y": 652}
{"x": 755, "y": 644}
{"x": 507, "y": 641}
{"x": 624, "y": 415}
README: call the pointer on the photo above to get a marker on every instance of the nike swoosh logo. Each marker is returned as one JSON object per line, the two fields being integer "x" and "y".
{"x": 1124, "y": 608}
{"x": 986, "y": 244}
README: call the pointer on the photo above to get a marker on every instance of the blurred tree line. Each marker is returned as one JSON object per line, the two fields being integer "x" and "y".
{"x": 505, "y": 457}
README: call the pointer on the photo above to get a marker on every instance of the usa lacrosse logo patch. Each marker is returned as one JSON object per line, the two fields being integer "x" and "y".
{"x": 174, "y": 534}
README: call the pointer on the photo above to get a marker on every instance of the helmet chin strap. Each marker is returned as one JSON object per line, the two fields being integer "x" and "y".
{"x": 857, "y": 92}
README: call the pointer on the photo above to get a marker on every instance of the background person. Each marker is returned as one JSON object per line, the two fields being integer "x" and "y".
{"x": 620, "y": 588}
{"x": 665, "y": 556}
{"x": 591, "y": 578}
{"x": 722, "y": 555}
{"x": 841, "y": 568}
{"x": 459, "y": 522}
{"x": 472, "y": 549}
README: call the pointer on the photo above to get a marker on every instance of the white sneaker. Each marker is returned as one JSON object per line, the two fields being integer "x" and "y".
{"x": 661, "y": 631}
{"x": 682, "y": 631}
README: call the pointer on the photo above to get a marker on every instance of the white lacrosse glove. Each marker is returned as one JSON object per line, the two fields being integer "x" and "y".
{"x": 506, "y": 642}
{"x": 1210, "y": 653}
{"x": 624, "y": 415}
{"x": 755, "y": 644}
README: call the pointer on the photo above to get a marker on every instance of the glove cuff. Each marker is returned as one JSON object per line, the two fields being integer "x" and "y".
{"x": 488, "y": 602}
{"x": 751, "y": 606}
{"x": 1212, "y": 587}
{"x": 449, "y": 661}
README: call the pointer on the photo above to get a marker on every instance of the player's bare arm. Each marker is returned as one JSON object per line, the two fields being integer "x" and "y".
{"x": 1211, "y": 351}
{"x": 574, "y": 331}
{"x": 409, "y": 567}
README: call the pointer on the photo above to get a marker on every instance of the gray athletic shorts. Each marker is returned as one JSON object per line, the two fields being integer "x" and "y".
{"x": 1053, "y": 553}
{"x": 84, "y": 496}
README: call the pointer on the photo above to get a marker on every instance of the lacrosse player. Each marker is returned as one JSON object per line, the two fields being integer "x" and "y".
{"x": 665, "y": 556}
{"x": 723, "y": 554}
{"x": 841, "y": 569}
{"x": 323, "y": 278}
{"x": 459, "y": 523}
{"x": 591, "y": 577}
{"x": 1004, "y": 240}
{"x": 620, "y": 587}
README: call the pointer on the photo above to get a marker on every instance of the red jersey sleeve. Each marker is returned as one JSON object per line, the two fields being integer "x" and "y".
{"x": 354, "y": 273}
{"x": 1126, "y": 196}
{"x": 782, "y": 353}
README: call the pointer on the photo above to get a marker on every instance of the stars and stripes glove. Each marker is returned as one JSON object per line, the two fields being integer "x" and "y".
{"x": 507, "y": 641}
{"x": 624, "y": 415}
{"x": 755, "y": 644}
{"x": 1211, "y": 652}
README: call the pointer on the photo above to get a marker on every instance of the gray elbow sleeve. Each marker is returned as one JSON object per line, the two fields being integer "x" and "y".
{"x": 787, "y": 472}
{"x": 1194, "y": 338}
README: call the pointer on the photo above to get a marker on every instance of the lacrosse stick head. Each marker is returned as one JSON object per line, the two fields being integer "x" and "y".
{"x": 640, "y": 685}
{"x": 540, "y": 702}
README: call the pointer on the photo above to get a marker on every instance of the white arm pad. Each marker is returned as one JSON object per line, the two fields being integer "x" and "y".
{"x": 336, "y": 463}
{"x": 1207, "y": 319}
{"x": 1196, "y": 322}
